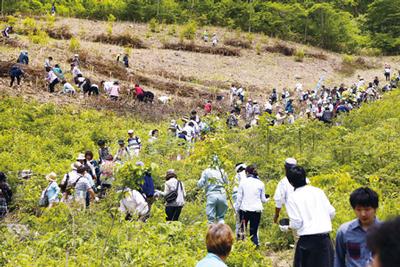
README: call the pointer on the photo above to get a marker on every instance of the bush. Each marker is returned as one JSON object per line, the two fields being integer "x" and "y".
{"x": 39, "y": 37}
{"x": 189, "y": 31}
{"x": 154, "y": 26}
{"x": 11, "y": 20}
{"x": 172, "y": 30}
{"x": 29, "y": 25}
{"x": 370, "y": 52}
{"x": 74, "y": 45}
{"x": 299, "y": 55}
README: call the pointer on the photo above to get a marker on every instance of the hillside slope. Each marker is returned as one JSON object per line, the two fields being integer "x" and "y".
{"x": 188, "y": 77}
{"x": 364, "y": 150}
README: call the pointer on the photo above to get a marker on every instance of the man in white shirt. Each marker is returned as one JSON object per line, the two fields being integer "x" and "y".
{"x": 310, "y": 213}
{"x": 283, "y": 189}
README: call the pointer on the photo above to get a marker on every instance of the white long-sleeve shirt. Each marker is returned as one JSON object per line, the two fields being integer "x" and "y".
{"x": 282, "y": 192}
{"x": 310, "y": 211}
{"x": 251, "y": 195}
{"x": 170, "y": 186}
{"x": 134, "y": 203}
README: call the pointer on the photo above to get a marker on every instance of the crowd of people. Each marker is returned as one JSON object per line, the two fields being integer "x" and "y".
{"x": 322, "y": 103}
{"x": 362, "y": 241}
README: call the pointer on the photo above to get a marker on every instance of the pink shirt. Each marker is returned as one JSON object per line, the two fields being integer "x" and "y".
{"x": 114, "y": 90}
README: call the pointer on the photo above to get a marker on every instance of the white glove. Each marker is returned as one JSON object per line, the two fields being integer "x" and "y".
{"x": 284, "y": 228}
{"x": 96, "y": 199}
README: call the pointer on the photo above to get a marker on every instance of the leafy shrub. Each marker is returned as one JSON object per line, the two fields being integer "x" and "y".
{"x": 29, "y": 25}
{"x": 110, "y": 23}
{"x": 11, "y": 20}
{"x": 172, "y": 30}
{"x": 189, "y": 31}
{"x": 299, "y": 55}
{"x": 39, "y": 37}
{"x": 74, "y": 45}
{"x": 154, "y": 26}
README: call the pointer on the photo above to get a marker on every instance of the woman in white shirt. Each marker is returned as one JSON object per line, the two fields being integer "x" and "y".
{"x": 251, "y": 196}
{"x": 173, "y": 208}
{"x": 134, "y": 203}
{"x": 52, "y": 79}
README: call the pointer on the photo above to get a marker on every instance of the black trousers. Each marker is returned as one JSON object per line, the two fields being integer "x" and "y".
{"x": 254, "y": 219}
{"x": 173, "y": 213}
{"x": 52, "y": 84}
{"x": 13, "y": 79}
{"x": 314, "y": 251}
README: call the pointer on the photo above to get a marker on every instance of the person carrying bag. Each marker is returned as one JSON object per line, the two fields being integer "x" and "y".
{"x": 174, "y": 196}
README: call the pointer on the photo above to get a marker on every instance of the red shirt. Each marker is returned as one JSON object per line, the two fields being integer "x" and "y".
{"x": 207, "y": 107}
{"x": 138, "y": 91}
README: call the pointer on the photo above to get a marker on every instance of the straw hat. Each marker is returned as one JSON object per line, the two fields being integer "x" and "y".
{"x": 51, "y": 176}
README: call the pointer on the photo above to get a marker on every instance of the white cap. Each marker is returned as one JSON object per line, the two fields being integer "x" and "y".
{"x": 81, "y": 157}
{"x": 242, "y": 165}
{"x": 291, "y": 161}
{"x": 130, "y": 131}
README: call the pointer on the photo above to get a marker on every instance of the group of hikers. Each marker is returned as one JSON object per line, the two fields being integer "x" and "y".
{"x": 322, "y": 103}
{"x": 309, "y": 211}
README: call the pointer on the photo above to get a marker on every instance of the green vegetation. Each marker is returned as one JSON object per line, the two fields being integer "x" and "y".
{"x": 363, "y": 150}
{"x": 345, "y": 26}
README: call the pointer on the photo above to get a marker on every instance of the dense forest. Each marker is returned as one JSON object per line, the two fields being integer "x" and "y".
{"x": 350, "y": 26}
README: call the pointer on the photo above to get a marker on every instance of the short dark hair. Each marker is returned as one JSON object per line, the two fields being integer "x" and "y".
{"x": 296, "y": 176}
{"x": 251, "y": 169}
{"x": 365, "y": 197}
{"x": 384, "y": 241}
{"x": 89, "y": 153}
{"x": 219, "y": 239}
{"x": 3, "y": 177}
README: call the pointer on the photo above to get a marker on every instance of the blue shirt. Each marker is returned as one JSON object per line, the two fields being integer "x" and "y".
{"x": 52, "y": 191}
{"x": 351, "y": 245}
{"x": 211, "y": 260}
{"x": 213, "y": 181}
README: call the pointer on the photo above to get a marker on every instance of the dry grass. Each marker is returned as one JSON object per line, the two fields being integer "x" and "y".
{"x": 219, "y": 50}
{"x": 124, "y": 39}
{"x": 317, "y": 55}
{"x": 238, "y": 43}
{"x": 13, "y": 42}
{"x": 32, "y": 75}
{"x": 281, "y": 48}
{"x": 350, "y": 65}
{"x": 62, "y": 32}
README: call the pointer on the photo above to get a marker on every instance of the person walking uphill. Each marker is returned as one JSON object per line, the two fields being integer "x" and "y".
{"x": 310, "y": 213}
{"x": 16, "y": 73}
{"x": 174, "y": 194}
{"x": 250, "y": 199}
{"x": 351, "y": 238}
{"x": 5, "y": 195}
{"x": 213, "y": 180}
{"x": 52, "y": 191}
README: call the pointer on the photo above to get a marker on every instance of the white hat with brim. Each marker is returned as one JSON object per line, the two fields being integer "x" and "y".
{"x": 75, "y": 165}
{"x": 81, "y": 157}
{"x": 291, "y": 162}
{"x": 130, "y": 131}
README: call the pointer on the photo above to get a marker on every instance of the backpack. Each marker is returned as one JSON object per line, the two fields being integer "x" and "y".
{"x": 5, "y": 192}
{"x": 173, "y": 195}
{"x": 63, "y": 186}
{"x": 148, "y": 185}
{"x": 44, "y": 199}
